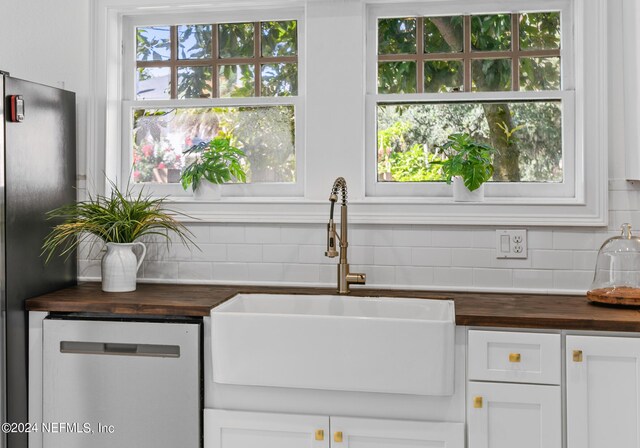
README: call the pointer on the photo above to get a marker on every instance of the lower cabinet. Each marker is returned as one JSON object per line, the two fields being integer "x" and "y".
{"x": 603, "y": 392}
{"x": 514, "y": 415}
{"x": 235, "y": 429}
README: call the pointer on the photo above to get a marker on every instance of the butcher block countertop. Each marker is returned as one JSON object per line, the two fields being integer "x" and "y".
{"x": 472, "y": 308}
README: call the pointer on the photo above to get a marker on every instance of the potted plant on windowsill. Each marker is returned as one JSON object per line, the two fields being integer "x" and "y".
{"x": 214, "y": 163}
{"x": 468, "y": 164}
{"x": 119, "y": 220}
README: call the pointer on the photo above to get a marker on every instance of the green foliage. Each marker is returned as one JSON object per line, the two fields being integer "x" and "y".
{"x": 443, "y": 76}
{"x": 414, "y": 165}
{"x": 540, "y": 31}
{"x": 397, "y": 77}
{"x": 235, "y": 40}
{"x": 397, "y": 36}
{"x": 435, "y": 42}
{"x": 491, "y": 32}
{"x": 279, "y": 38}
{"x": 121, "y": 217}
{"x": 216, "y": 161}
{"x": 468, "y": 159}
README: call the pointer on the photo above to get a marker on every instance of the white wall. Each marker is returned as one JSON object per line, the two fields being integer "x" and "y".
{"x": 48, "y": 41}
{"x": 56, "y": 48}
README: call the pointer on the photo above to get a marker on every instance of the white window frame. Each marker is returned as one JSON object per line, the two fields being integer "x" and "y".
{"x": 343, "y": 152}
{"x": 129, "y": 101}
{"x": 569, "y": 189}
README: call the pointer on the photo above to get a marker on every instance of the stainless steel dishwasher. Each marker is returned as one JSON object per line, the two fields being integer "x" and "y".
{"x": 121, "y": 384}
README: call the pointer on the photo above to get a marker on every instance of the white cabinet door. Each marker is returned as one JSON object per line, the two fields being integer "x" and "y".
{"x": 349, "y": 432}
{"x": 235, "y": 429}
{"x": 514, "y": 415}
{"x": 603, "y": 392}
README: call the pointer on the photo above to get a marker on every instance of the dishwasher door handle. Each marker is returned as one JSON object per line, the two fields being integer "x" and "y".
{"x": 116, "y": 348}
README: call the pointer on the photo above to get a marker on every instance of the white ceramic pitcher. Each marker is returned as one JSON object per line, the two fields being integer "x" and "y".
{"x": 120, "y": 267}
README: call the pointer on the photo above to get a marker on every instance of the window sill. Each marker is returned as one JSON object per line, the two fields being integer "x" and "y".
{"x": 390, "y": 211}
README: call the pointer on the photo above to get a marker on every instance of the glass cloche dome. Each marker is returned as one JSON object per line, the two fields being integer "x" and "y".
{"x": 617, "y": 276}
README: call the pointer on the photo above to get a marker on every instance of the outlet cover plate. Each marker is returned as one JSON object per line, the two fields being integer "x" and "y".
{"x": 511, "y": 243}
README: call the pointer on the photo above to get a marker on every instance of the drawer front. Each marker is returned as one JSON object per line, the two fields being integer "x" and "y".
{"x": 514, "y": 357}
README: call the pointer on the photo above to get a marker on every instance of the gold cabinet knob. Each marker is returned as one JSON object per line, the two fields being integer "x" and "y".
{"x": 320, "y": 434}
{"x": 337, "y": 436}
{"x": 514, "y": 357}
{"x": 577, "y": 356}
{"x": 477, "y": 402}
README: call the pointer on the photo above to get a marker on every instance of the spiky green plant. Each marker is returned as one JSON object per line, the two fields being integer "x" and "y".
{"x": 217, "y": 161}
{"x": 118, "y": 218}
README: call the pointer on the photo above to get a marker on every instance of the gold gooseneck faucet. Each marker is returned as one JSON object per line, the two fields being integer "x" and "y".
{"x": 345, "y": 278}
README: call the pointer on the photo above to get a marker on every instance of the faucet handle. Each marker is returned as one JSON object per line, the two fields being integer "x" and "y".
{"x": 332, "y": 236}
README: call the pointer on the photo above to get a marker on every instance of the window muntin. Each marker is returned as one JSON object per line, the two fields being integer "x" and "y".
{"x": 247, "y": 59}
{"x": 477, "y": 49}
{"x": 242, "y": 76}
{"x": 472, "y": 61}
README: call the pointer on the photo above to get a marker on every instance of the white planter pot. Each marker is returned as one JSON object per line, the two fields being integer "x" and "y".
{"x": 207, "y": 191}
{"x": 462, "y": 194}
{"x": 120, "y": 267}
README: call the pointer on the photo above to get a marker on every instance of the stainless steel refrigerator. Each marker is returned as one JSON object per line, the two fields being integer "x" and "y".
{"x": 37, "y": 174}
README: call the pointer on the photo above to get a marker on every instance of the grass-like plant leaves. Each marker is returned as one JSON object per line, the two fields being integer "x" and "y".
{"x": 118, "y": 218}
{"x": 468, "y": 159}
{"x": 216, "y": 161}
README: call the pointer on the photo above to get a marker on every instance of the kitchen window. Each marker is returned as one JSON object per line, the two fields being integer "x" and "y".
{"x": 503, "y": 76}
{"x": 188, "y": 81}
{"x": 328, "y": 120}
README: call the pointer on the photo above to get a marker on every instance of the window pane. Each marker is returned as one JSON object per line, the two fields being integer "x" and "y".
{"x": 236, "y": 80}
{"x": 153, "y": 83}
{"x": 540, "y": 73}
{"x": 529, "y": 151}
{"x": 443, "y": 76}
{"x": 540, "y": 31}
{"x": 194, "y": 42}
{"x": 235, "y": 40}
{"x": 443, "y": 34}
{"x": 491, "y": 75}
{"x": 153, "y": 43}
{"x": 265, "y": 134}
{"x": 397, "y": 77}
{"x": 491, "y": 32}
{"x": 280, "y": 38}
{"x": 397, "y": 36}
{"x": 279, "y": 80}
{"x": 194, "y": 82}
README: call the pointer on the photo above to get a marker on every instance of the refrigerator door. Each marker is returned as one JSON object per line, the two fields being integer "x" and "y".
{"x": 121, "y": 384}
{"x": 39, "y": 175}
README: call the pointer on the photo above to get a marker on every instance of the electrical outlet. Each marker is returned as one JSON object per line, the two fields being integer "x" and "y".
{"x": 511, "y": 243}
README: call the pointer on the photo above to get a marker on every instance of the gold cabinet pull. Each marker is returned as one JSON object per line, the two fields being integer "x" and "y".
{"x": 337, "y": 436}
{"x": 319, "y": 434}
{"x": 514, "y": 357}
{"x": 577, "y": 356}
{"x": 477, "y": 402}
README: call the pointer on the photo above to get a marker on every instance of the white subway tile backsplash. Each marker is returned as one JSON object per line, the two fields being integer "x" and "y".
{"x": 456, "y": 278}
{"x": 224, "y": 233}
{"x": 411, "y": 236}
{"x": 280, "y": 253}
{"x": 368, "y": 235}
{"x": 230, "y": 271}
{"x": 195, "y": 270}
{"x": 304, "y": 234}
{"x": 580, "y": 240}
{"x": 452, "y": 237}
{"x": 532, "y": 279}
{"x": 301, "y": 273}
{"x": 551, "y": 259}
{"x": 314, "y": 255}
{"x": 540, "y": 239}
{"x": 244, "y": 252}
{"x": 358, "y": 255}
{"x": 585, "y": 260}
{"x": 377, "y": 275}
{"x": 431, "y": 256}
{"x": 163, "y": 270}
{"x": 485, "y": 239}
{"x": 471, "y": 257}
{"x": 262, "y": 234}
{"x": 493, "y": 278}
{"x": 572, "y": 280}
{"x": 414, "y": 276}
{"x": 396, "y": 256}
{"x": 265, "y": 272}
